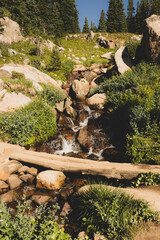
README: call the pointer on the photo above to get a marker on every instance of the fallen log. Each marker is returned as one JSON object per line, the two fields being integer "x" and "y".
{"x": 85, "y": 166}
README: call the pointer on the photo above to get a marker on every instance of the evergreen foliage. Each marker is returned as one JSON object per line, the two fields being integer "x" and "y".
{"x": 112, "y": 23}
{"x": 102, "y": 27}
{"x": 121, "y": 17}
{"x": 42, "y": 16}
{"x": 155, "y": 7}
{"x": 141, "y": 14}
{"x": 130, "y": 17}
{"x": 93, "y": 27}
{"x": 86, "y": 26}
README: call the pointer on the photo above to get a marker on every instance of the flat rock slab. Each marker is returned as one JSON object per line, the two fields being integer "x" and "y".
{"x": 150, "y": 195}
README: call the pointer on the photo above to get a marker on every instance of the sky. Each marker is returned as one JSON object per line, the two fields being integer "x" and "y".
{"x": 92, "y": 9}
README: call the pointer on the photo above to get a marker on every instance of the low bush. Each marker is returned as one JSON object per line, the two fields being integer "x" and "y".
{"x": 146, "y": 179}
{"x": 132, "y": 45}
{"x": 4, "y": 49}
{"x": 41, "y": 224}
{"x": 29, "y": 125}
{"x": 134, "y": 98}
{"x": 111, "y": 213}
{"x": 52, "y": 95}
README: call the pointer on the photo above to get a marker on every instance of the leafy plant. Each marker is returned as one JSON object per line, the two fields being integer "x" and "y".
{"x": 146, "y": 179}
{"x": 29, "y": 125}
{"x": 132, "y": 45}
{"x": 52, "y": 95}
{"x": 42, "y": 224}
{"x": 110, "y": 212}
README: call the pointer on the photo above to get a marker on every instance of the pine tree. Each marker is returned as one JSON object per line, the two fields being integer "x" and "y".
{"x": 93, "y": 27}
{"x": 141, "y": 14}
{"x": 130, "y": 17}
{"x": 112, "y": 22}
{"x": 121, "y": 17}
{"x": 102, "y": 27}
{"x": 155, "y": 7}
{"x": 86, "y": 26}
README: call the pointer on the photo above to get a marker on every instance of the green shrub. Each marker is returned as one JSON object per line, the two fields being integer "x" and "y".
{"x": 4, "y": 49}
{"x": 29, "y": 125}
{"x": 67, "y": 67}
{"x": 28, "y": 226}
{"x": 54, "y": 63}
{"x": 111, "y": 213}
{"x": 17, "y": 75}
{"x": 146, "y": 179}
{"x": 34, "y": 51}
{"x": 21, "y": 81}
{"x": 134, "y": 98}
{"x": 132, "y": 45}
{"x": 52, "y": 95}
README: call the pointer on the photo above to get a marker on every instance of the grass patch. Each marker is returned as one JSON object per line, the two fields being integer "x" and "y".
{"x": 30, "y": 125}
{"x": 111, "y": 213}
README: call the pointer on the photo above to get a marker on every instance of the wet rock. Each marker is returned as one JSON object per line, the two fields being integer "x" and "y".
{"x": 81, "y": 88}
{"x": 65, "y": 122}
{"x": 71, "y": 112}
{"x": 111, "y": 154}
{"x": 3, "y": 184}
{"x": 60, "y": 106}
{"x": 3, "y": 187}
{"x": 33, "y": 171}
{"x": 97, "y": 101}
{"x": 50, "y": 179}
{"x": 27, "y": 178}
{"x": 84, "y": 138}
{"x": 23, "y": 169}
{"x": 66, "y": 191}
{"x": 79, "y": 105}
{"x": 14, "y": 181}
{"x": 65, "y": 210}
{"x": 41, "y": 199}
{"x": 93, "y": 85}
{"x": 89, "y": 75}
{"x": 8, "y": 168}
{"x": 9, "y": 196}
{"x": 82, "y": 116}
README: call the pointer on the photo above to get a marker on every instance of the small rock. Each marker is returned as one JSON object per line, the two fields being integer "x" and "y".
{"x": 97, "y": 101}
{"x": 50, "y": 179}
{"x": 99, "y": 237}
{"x": 82, "y": 235}
{"x": 41, "y": 199}
{"x": 14, "y": 181}
{"x": 3, "y": 184}
{"x": 81, "y": 88}
{"x": 84, "y": 138}
{"x": 78, "y": 68}
{"x": 68, "y": 102}
{"x": 60, "y": 106}
{"x": 8, "y": 168}
{"x": 23, "y": 169}
{"x": 33, "y": 171}
{"x": 27, "y": 178}
{"x": 65, "y": 210}
{"x": 83, "y": 58}
{"x": 9, "y": 196}
{"x": 71, "y": 112}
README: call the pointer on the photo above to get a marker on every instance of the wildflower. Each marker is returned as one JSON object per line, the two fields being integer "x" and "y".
{"x": 1, "y": 220}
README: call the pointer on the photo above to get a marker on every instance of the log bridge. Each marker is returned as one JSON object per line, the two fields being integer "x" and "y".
{"x": 75, "y": 165}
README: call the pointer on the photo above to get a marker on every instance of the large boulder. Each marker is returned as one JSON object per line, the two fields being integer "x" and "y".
{"x": 50, "y": 179}
{"x": 10, "y": 31}
{"x": 11, "y": 101}
{"x": 32, "y": 74}
{"x": 81, "y": 88}
{"x": 97, "y": 101}
{"x": 150, "y": 46}
{"x": 123, "y": 60}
